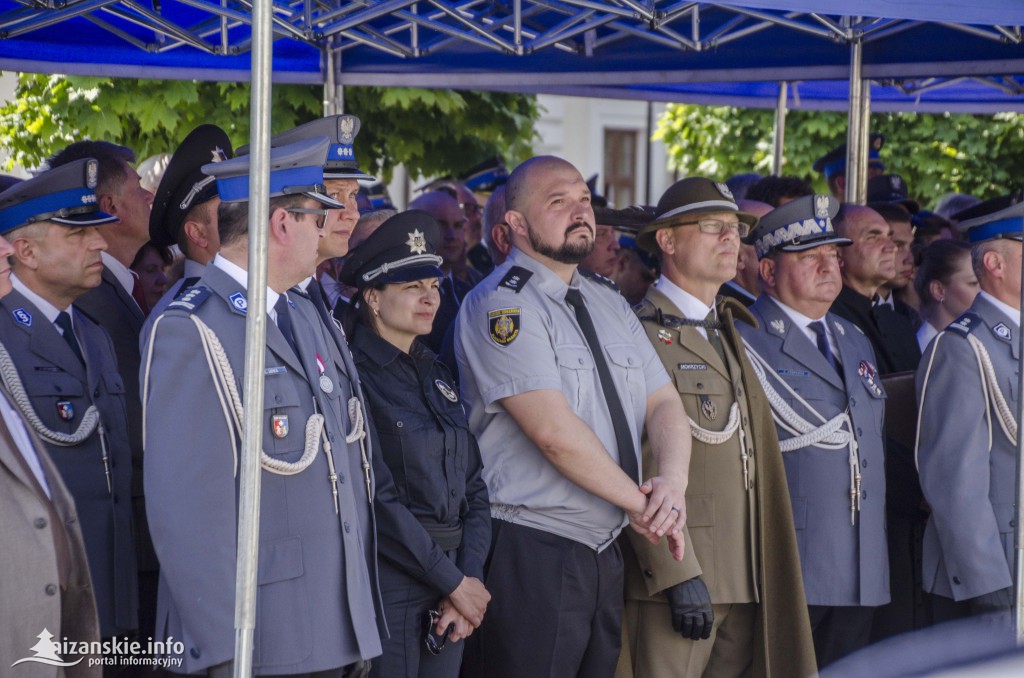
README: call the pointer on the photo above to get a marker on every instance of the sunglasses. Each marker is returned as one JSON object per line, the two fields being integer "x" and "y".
{"x": 434, "y": 642}
{"x": 321, "y": 215}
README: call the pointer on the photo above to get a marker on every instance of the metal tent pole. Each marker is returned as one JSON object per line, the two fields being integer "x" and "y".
{"x": 1018, "y": 525}
{"x": 779, "y": 131}
{"x": 255, "y": 339}
{"x": 856, "y": 185}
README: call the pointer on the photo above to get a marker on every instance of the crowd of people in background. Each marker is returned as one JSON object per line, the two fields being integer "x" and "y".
{"x": 511, "y": 430}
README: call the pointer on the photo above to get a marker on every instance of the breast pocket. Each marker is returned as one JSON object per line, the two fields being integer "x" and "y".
{"x": 413, "y": 448}
{"x": 706, "y": 395}
{"x": 623, "y": 359}
{"x": 58, "y": 398}
{"x": 579, "y": 378}
{"x": 284, "y": 433}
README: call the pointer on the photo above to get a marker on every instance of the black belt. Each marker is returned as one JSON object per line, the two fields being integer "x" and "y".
{"x": 448, "y": 537}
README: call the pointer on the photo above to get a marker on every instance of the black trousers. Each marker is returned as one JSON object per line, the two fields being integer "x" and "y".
{"x": 556, "y": 608}
{"x": 839, "y": 631}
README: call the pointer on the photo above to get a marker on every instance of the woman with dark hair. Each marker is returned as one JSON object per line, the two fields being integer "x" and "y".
{"x": 946, "y": 284}
{"x": 151, "y": 264}
{"x": 432, "y": 543}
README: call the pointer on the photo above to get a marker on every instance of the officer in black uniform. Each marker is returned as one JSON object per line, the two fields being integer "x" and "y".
{"x": 431, "y": 549}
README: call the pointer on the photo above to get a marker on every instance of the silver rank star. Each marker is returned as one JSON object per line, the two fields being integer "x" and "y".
{"x": 840, "y": 329}
{"x": 416, "y": 242}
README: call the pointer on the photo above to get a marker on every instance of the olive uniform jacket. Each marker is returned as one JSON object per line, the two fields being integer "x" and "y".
{"x": 741, "y": 543}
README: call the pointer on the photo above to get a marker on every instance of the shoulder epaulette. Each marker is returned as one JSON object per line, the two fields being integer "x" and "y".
{"x": 516, "y": 279}
{"x": 600, "y": 279}
{"x": 192, "y": 298}
{"x": 965, "y": 324}
{"x": 645, "y": 311}
{"x": 186, "y": 285}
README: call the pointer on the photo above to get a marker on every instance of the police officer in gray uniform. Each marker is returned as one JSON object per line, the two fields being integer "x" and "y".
{"x": 558, "y": 415}
{"x": 67, "y": 384}
{"x": 967, "y": 445}
{"x": 819, "y": 374}
{"x": 316, "y": 612}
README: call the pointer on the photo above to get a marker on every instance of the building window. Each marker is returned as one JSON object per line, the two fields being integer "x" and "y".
{"x": 620, "y": 167}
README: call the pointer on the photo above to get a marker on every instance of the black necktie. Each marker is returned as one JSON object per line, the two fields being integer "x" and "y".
{"x": 818, "y": 328}
{"x": 713, "y": 338}
{"x": 63, "y": 321}
{"x": 623, "y": 437}
{"x": 284, "y": 321}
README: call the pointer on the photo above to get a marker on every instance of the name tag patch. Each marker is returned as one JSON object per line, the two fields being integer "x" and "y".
{"x": 794, "y": 373}
{"x": 691, "y": 366}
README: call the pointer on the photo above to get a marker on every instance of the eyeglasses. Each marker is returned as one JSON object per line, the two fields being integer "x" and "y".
{"x": 321, "y": 214}
{"x": 716, "y": 226}
{"x": 434, "y": 645}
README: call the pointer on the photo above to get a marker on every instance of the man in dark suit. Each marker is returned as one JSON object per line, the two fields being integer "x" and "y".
{"x": 68, "y": 386}
{"x": 46, "y": 578}
{"x": 117, "y": 305}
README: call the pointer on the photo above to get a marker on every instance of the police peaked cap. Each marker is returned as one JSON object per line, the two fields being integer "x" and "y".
{"x": 630, "y": 219}
{"x": 1002, "y": 221}
{"x": 65, "y": 195}
{"x": 802, "y": 224}
{"x": 184, "y": 184}
{"x": 486, "y": 176}
{"x": 834, "y": 162}
{"x": 295, "y": 169}
{"x": 402, "y": 249}
{"x": 341, "y": 131}
{"x": 686, "y": 200}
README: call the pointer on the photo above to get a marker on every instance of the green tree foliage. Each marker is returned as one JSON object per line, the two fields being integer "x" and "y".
{"x": 432, "y": 132}
{"x": 936, "y": 154}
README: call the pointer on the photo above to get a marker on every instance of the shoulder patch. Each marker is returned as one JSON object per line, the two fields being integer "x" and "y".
{"x": 645, "y": 311}
{"x": 600, "y": 279}
{"x": 191, "y": 299}
{"x": 1003, "y": 332}
{"x": 503, "y": 325}
{"x": 516, "y": 279}
{"x": 965, "y": 324}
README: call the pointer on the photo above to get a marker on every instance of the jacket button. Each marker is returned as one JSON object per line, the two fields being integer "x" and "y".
{"x": 341, "y": 477}
{"x": 648, "y": 573}
{"x": 859, "y": 432}
{"x": 51, "y": 589}
{"x": 96, "y": 393}
{"x": 398, "y": 424}
{"x": 57, "y": 389}
{"x": 956, "y": 580}
{"x": 453, "y": 493}
{"x": 853, "y": 402}
{"x": 40, "y": 523}
{"x": 347, "y": 527}
{"x": 864, "y": 463}
{"x": 277, "y": 399}
{"x": 864, "y": 494}
{"x": 700, "y": 385}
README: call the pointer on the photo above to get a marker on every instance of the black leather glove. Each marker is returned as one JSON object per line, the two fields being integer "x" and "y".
{"x": 997, "y": 601}
{"x": 690, "y": 605}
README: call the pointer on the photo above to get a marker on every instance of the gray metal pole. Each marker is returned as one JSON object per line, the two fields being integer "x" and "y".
{"x": 863, "y": 142}
{"x": 779, "y": 132}
{"x": 854, "y": 158}
{"x": 330, "y": 83}
{"x": 1018, "y": 525}
{"x": 255, "y": 339}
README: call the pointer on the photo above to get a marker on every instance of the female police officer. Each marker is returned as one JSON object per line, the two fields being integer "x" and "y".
{"x": 433, "y": 542}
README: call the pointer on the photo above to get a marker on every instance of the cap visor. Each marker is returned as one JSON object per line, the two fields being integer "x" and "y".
{"x": 325, "y": 200}
{"x": 408, "y": 274}
{"x": 818, "y": 242}
{"x": 89, "y": 219}
{"x": 348, "y": 174}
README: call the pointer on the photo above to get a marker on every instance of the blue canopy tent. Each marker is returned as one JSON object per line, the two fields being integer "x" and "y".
{"x": 731, "y": 52}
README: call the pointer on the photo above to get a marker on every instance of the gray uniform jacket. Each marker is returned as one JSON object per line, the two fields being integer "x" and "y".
{"x": 315, "y": 609}
{"x": 29, "y": 595}
{"x": 965, "y": 460}
{"x": 61, "y": 389}
{"x": 842, "y": 564}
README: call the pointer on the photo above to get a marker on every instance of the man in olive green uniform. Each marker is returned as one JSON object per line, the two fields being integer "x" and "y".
{"x": 734, "y": 606}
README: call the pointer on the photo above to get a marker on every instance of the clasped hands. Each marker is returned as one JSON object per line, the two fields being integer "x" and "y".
{"x": 464, "y": 607}
{"x": 660, "y": 512}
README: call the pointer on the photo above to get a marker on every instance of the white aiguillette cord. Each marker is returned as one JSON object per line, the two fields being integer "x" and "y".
{"x": 231, "y": 406}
